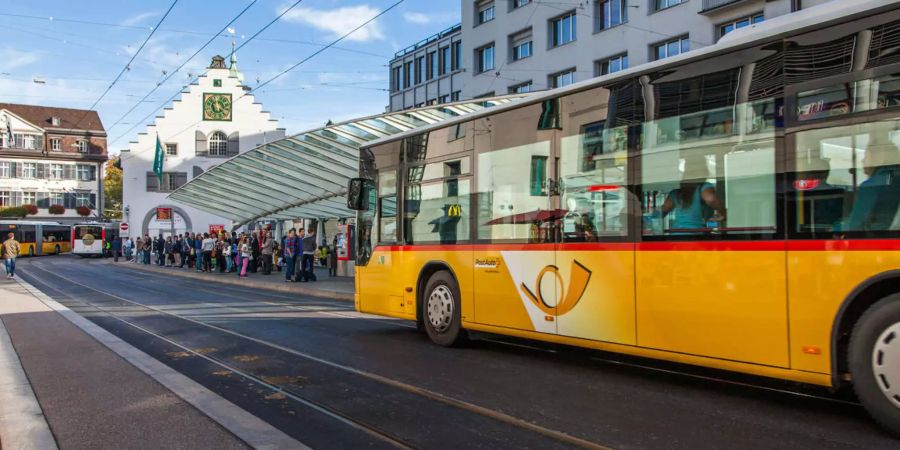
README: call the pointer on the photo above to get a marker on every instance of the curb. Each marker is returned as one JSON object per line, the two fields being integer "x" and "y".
{"x": 292, "y": 288}
{"x": 240, "y": 423}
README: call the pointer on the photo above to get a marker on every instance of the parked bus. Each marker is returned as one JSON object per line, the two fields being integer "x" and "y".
{"x": 735, "y": 207}
{"x": 90, "y": 238}
{"x": 53, "y": 237}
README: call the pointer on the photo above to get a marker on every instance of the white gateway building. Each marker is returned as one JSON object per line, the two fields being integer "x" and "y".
{"x": 214, "y": 119}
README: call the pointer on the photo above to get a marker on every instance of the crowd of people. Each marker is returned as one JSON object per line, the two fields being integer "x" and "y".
{"x": 242, "y": 253}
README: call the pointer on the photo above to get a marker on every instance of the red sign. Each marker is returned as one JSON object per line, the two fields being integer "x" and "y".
{"x": 163, "y": 214}
{"x": 216, "y": 229}
{"x": 123, "y": 226}
{"x": 806, "y": 185}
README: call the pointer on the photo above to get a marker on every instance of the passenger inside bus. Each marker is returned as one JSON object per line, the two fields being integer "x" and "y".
{"x": 695, "y": 202}
{"x": 876, "y": 202}
{"x": 824, "y": 208}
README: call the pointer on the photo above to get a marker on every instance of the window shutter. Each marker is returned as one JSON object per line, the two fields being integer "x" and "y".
{"x": 201, "y": 149}
{"x": 180, "y": 179}
{"x": 69, "y": 172}
{"x": 15, "y": 170}
{"x": 234, "y": 144}
{"x": 69, "y": 200}
{"x": 43, "y": 200}
{"x": 152, "y": 182}
{"x": 93, "y": 201}
{"x": 93, "y": 173}
{"x": 42, "y": 170}
{"x": 17, "y": 198}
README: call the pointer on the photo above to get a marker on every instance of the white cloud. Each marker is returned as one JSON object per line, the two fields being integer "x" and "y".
{"x": 14, "y": 59}
{"x": 339, "y": 21}
{"x": 137, "y": 18}
{"x": 418, "y": 18}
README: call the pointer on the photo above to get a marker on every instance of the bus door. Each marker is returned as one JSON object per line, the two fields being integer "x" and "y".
{"x": 594, "y": 260}
{"x": 514, "y": 264}
{"x": 381, "y": 279}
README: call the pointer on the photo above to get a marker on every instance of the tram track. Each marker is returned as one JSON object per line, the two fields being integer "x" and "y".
{"x": 462, "y": 405}
{"x": 648, "y": 366}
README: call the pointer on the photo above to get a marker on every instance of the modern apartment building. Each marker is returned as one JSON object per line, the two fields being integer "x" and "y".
{"x": 516, "y": 46}
{"x": 52, "y": 157}
{"x": 428, "y": 72}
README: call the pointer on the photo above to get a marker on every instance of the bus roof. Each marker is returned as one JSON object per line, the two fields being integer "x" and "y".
{"x": 812, "y": 19}
{"x": 27, "y": 222}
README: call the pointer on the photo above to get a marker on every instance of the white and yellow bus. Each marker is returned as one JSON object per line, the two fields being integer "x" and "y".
{"x": 734, "y": 207}
{"x": 37, "y": 237}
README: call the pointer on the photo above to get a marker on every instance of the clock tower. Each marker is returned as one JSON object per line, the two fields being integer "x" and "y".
{"x": 216, "y": 118}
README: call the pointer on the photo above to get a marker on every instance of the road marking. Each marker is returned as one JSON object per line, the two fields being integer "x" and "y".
{"x": 436, "y": 396}
{"x": 247, "y": 427}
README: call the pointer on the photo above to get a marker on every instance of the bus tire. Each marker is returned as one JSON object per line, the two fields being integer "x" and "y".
{"x": 441, "y": 308}
{"x": 31, "y": 251}
{"x": 874, "y": 361}
{"x": 58, "y": 250}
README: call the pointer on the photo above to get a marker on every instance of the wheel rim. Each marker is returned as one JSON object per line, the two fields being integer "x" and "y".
{"x": 886, "y": 363}
{"x": 440, "y": 308}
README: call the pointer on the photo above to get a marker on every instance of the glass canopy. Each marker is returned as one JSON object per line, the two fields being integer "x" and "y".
{"x": 305, "y": 175}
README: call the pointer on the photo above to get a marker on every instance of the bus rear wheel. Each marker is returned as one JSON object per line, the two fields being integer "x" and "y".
{"x": 874, "y": 360}
{"x": 441, "y": 308}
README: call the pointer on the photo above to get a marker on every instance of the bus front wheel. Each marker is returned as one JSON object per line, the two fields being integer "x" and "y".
{"x": 441, "y": 307}
{"x": 58, "y": 250}
{"x": 874, "y": 361}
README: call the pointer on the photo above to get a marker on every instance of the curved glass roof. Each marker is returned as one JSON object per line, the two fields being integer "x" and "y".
{"x": 305, "y": 175}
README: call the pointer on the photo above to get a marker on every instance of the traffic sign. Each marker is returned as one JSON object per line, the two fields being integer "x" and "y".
{"x": 123, "y": 226}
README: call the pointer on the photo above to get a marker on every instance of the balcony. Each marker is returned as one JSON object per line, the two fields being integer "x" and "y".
{"x": 711, "y": 5}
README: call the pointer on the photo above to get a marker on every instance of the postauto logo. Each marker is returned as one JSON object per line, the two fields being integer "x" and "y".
{"x": 571, "y": 292}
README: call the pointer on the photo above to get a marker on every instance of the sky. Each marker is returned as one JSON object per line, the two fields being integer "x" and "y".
{"x": 64, "y": 53}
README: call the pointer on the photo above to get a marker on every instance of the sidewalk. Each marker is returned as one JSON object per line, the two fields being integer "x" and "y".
{"x": 88, "y": 394}
{"x": 339, "y": 288}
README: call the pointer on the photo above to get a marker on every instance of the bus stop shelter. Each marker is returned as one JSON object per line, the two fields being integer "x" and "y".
{"x": 305, "y": 176}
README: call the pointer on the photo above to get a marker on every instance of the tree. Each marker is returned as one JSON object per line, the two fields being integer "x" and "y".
{"x": 112, "y": 189}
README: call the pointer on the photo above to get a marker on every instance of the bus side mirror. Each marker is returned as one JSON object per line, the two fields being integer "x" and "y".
{"x": 357, "y": 194}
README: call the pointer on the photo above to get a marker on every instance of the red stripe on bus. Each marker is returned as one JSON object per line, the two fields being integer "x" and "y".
{"x": 756, "y": 246}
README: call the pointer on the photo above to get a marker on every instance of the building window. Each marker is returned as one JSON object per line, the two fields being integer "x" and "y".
{"x": 29, "y": 198}
{"x": 57, "y": 171}
{"x": 538, "y": 178}
{"x": 432, "y": 65}
{"x": 85, "y": 172}
{"x": 740, "y": 23}
{"x": 82, "y": 146}
{"x": 613, "y": 65}
{"x": 171, "y": 149}
{"x": 420, "y": 69}
{"x": 562, "y": 30}
{"x": 671, "y": 48}
{"x": 612, "y": 13}
{"x": 55, "y": 144}
{"x": 395, "y": 78}
{"x": 5, "y": 198}
{"x": 218, "y": 144}
{"x": 521, "y": 88}
{"x": 457, "y": 55}
{"x": 444, "y": 60}
{"x": 407, "y": 74}
{"x": 83, "y": 199}
{"x": 663, "y": 4}
{"x": 519, "y": 3}
{"x": 484, "y": 58}
{"x": 563, "y": 78}
{"x": 444, "y": 99}
{"x": 217, "y": 83}
{"x": 29, "y": 170}
{"x": 521, "y": 45}
{"x": 5, "y": 169}
{"x": 56, "y": 198}
{"x": 454, "y": 96}
{"x": 485, "y": 12}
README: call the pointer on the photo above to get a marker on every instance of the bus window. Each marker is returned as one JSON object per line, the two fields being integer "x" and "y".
{"x": 82, "y": 230}
{"x": 437, "y": 202}
{"x": 847, "y": 180}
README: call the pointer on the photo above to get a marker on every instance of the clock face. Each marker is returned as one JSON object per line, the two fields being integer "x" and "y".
{"x": 216, "y": 106}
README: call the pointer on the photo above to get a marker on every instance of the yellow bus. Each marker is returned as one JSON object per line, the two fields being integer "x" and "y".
{"x": 55, "y": 238}
{"x": 734, "y": 207}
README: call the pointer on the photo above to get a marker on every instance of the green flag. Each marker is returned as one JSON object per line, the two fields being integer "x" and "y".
{"x": 158, "y": 160}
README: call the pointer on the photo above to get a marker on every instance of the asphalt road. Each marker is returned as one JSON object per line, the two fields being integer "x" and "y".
{"x": 334, "y": 378}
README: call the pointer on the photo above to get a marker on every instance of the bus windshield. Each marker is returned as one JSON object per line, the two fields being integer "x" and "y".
{"x": 83, "y": 230}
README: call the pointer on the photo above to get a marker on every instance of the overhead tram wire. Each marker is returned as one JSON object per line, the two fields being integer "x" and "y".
{"x": 194, "y": 79}
{"x": 128, "y": 64}
{"x": 173, "y": 72}
{"x": 282, "y": 73}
